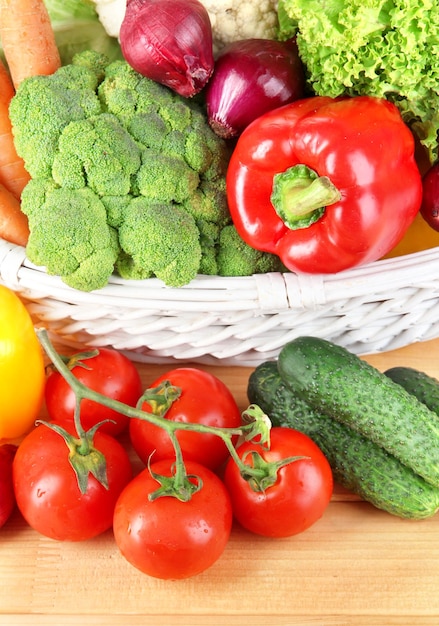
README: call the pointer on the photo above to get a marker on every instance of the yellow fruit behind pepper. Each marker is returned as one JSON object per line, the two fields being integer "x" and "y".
{"x": 420, "y": 236}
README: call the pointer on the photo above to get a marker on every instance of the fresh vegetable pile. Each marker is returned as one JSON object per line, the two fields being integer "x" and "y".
{"x": 162, "y": 166}
{"x": 130, "y": 178}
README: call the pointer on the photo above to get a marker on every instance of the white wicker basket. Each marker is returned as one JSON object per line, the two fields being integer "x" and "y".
{"x": 236, "y": 321}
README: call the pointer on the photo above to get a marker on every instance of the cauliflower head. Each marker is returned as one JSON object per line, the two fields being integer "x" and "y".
{"x": 232, "y": 20}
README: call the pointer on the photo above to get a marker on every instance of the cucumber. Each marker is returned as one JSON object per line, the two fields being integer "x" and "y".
{"x": 358, "y": 464}
{"x": 332, "y": 379}
{"x": 419, "y": 384}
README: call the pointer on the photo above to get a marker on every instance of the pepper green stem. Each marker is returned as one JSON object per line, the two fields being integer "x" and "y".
{"x": 300, "y": 197}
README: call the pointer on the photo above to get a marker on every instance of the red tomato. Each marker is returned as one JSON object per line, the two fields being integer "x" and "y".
{"x": 296, "y": 500}
{"x": 47, "y": 491}
{"x": 7, "y": 497}
{"x": 111, "y": 374}
{"x": 205, "y": 400}
{"x": 167, "y": 538}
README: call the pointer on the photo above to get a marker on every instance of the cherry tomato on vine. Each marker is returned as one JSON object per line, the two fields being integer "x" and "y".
{"x": 299, "y": 496}
{"x": 204, "y": 400}
{"x": 110, "y": 373}
{"x": 22, "y": 374}
{"x": 47, "y": 491}
{"x": 167, "y": 538}
{"x": 7, "y": 496}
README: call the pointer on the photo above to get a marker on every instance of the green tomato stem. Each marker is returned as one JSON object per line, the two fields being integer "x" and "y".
{"x": 84, "y": 458}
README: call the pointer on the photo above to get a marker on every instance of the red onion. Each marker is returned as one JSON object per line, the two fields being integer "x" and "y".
{"x": 169, "y": 41}
{"x": 430, "y": 197}
{"x": 252, "y": 77}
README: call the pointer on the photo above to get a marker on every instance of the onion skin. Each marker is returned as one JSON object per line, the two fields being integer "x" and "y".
{"x": 170, "y": 42}
{"x": 252, "y": 77}
{"x": 430, "y": 197}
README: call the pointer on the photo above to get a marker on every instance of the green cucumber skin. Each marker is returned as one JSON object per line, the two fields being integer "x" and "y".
{"x": 417, "y": 383}
{"x": 357, "y": 463}
{"x": 332, "y": 379}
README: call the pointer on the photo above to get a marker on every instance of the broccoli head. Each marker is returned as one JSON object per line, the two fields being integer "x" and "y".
{"x": 127, "y": 176}
{"x": 69, "y": 234}
{"x": 158, "y": 239}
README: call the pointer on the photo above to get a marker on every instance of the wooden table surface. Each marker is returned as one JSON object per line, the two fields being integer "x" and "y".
{"x": 356, "y": 565}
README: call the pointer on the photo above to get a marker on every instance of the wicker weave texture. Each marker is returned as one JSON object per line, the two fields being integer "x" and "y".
{"x": 236, "y": 321}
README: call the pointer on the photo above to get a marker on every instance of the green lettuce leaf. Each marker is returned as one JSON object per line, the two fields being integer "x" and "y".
{"x": 383, "y": 48}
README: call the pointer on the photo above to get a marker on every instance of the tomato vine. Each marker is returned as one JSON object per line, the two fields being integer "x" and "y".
{"x": 255, "y": 427}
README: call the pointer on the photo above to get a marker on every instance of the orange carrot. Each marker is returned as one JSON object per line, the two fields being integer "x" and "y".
{"x": 28, "y": 39}
{"x": 13, "y": 174}
{"x": 14, "y": 225}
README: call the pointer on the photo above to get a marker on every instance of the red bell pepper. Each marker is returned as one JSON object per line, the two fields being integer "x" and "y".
{"x": 324, "y": 183}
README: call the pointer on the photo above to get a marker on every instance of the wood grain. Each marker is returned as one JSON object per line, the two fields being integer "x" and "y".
{"x": 356, "y": 566}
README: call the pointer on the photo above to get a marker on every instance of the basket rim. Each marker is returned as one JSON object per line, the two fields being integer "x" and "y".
{"x": 289, "y": 288}
{"x": 238, "y": 320}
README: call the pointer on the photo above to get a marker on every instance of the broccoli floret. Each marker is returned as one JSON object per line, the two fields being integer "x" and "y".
{"x": 236, "y": 258}
{"x": 92, "y": 60}
{"x": 149, "y": 129}
{"x": 146, "y": 161}
{"x": 203, "y": 140}
{"x": 116, "y": 207}
{"x": 209, "y": 202}
{"x": 43, "y": 106}
{"x": 125, "y": 93}
{"x": 96, "y": 152}
{"x": 158, "y": 239}
{"x": 166, "y": 178}
{"x": 69, "y": 234}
